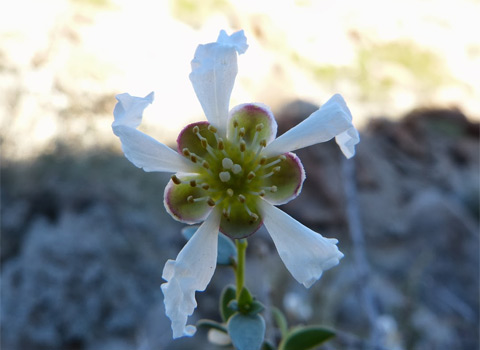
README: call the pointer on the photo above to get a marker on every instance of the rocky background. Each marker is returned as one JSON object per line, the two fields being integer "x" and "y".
{"x": 84, "y": 235}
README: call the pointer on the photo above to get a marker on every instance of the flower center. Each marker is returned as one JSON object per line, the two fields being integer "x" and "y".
{"x": 232, "y": 173}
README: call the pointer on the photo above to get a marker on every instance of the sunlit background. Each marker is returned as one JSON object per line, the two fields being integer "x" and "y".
{"x": 61, "y": 65}
{"x": 63, "y": 61}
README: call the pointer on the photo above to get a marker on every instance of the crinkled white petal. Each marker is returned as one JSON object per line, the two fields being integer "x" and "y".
{"x": 333, "y": 119}
{"x": 191, "y": 271}
{"x": 129, "y": 109}
{"x": 139, "y": 148}
{"x": 214, "y": 68}
{"x": 305, "y": 253}
{"x": 347, "y": 141}
{"x": 238, "y": 40}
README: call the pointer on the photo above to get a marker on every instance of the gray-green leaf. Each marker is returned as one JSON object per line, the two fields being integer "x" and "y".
{"x": 246, "y": 331}
{"x": 304, "y": 338}
{"x": 228, "y": 294}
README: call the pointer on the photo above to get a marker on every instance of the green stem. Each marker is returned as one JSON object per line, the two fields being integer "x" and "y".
{"x": 240, "y": 270}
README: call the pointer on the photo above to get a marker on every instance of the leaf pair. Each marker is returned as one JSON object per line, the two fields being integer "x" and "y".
{"x": 245, "y": 326}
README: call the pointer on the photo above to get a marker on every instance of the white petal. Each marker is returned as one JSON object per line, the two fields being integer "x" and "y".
{"x": 129, "y": 109}
{"x": 192, "y": 271}
{"x": 238, "y": 40}
{"x": 142, "y": 150}
{"x": 333, "y": 119}
{"x": 149, "y": 154}
{"x": 347, "y": 141}
{"x": 214, "y": 69}
{"x": 305, "y": 253}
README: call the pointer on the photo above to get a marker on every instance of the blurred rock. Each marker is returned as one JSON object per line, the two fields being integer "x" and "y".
{"x": 85, "y": 238}
{"x": 73, "y": 281}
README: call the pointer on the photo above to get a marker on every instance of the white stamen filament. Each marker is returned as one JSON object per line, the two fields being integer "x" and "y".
{"x": 271, "y": 188}
{"x": 276, "y": 161}
{"x": 211, "y": 151}
{"x": 261, "y": 193}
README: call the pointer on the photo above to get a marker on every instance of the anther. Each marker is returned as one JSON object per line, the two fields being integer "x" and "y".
{"x": 211, "y": 202}
{"x": 205, "y": 186}
{"x": 243, "y": 146}
{"x": 261, "y": 193}
{"x": 186, "y": 152}
{"x": 190, "y": 199}
{"x": 203, "y": 142}
{"x": 196, "y": 129}
{"x": 227, "y": 163}
{"x": 176, "y": 180}
{"x": 220, "y": 144}
{"x": 230, "y": 192}
{"x": 254, "y": 217}
{"x": 205, "y": 164}
{"x": 193, "y": 183}
{"x": 263, "y": 143}
{"x": 211, "y": 128}
{"x": 224, "y": 176}
{"x": 282, "y": 157}
{"x": 241, "y": 133}
{"x": 241, "y": 198}
{"x": 276, "y": 169}
{"x": 235, "y": 123}
{"x": 236, "y": 168}
{"x": 193, "y": 158}
{"x": 258, "y": 128}
{"x": 226, "y": 212}
{"x": 261, "y": 163}
{"x": 250, "y": 175}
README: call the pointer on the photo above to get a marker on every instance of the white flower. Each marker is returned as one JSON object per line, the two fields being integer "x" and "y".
{"x": 230, "y": 172}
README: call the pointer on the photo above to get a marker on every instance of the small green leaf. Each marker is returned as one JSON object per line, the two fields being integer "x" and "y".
{"x": 304, "y": 338}
{"x": 246, "y": 331}
{"x": 228, "y": 294}
{"x": 280, "y": 320}
{"x": 256, "y": 307}
{"x": 226, "y": 249}
{"x": 209, "y": 324}
{"x": 245, "y": 301}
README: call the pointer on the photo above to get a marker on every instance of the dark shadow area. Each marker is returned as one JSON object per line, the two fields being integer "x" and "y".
{"x": 85, "y": 237}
